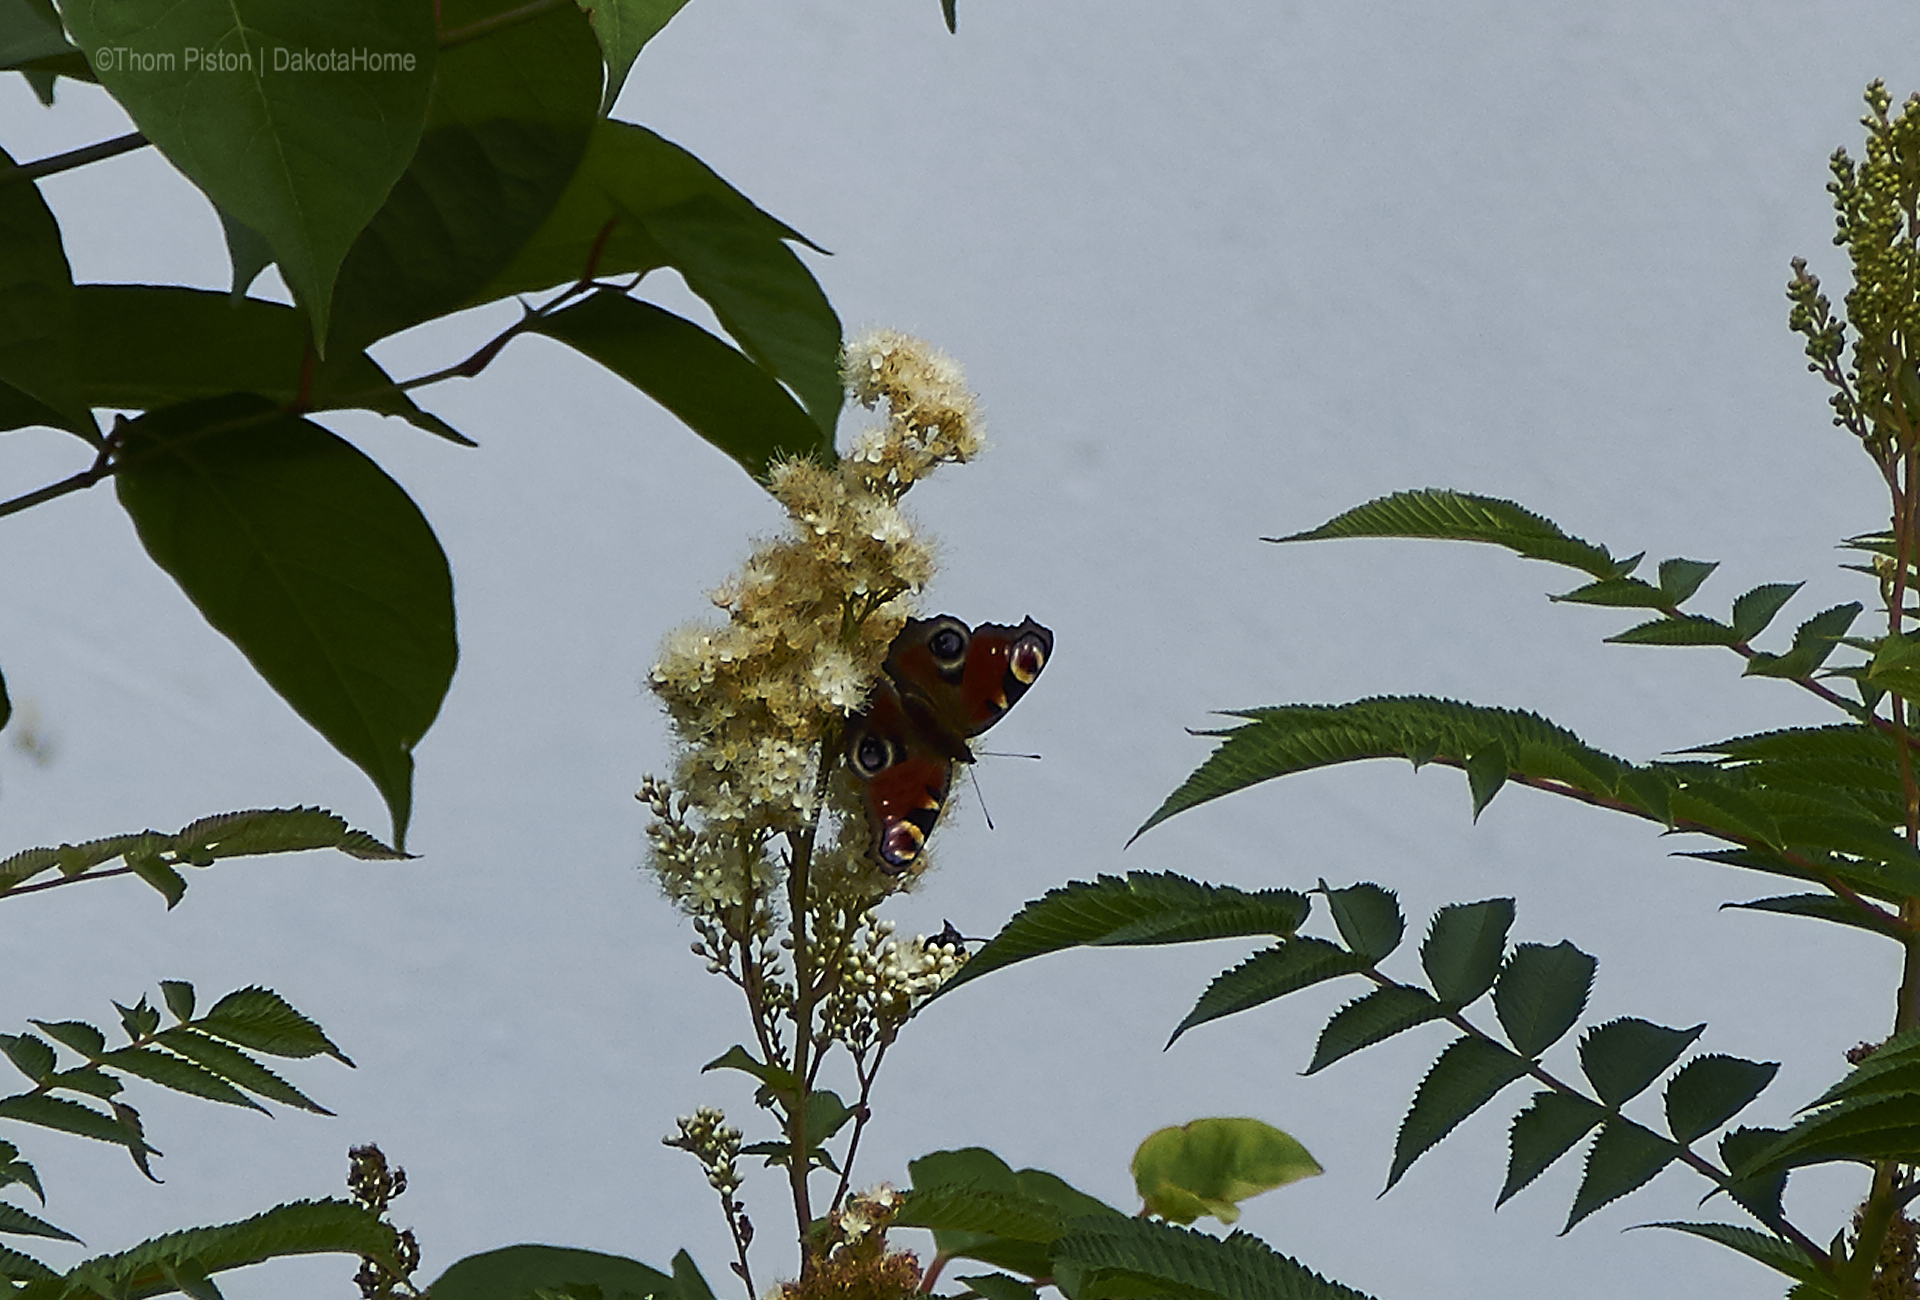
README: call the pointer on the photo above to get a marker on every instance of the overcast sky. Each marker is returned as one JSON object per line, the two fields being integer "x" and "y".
{"x": 1218, "y": 271}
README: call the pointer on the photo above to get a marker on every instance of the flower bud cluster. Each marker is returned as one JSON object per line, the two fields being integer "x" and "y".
{"x": 760, "y": 701}
{"x": 706, "y": 1136}
{"x": 880, "y": 980}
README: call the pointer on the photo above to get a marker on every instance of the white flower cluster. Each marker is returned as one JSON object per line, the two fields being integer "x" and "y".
{"x": 866, "y": 1212}
{"x": 706, "y": 1136}
{"x": 881, "y": 979}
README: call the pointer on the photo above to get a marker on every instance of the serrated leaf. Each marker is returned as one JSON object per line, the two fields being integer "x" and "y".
{"x": 88, "y": 1079}
{"x": 1459, "y": 516}
{"x": 999, "y": 1286}
{"x": 17, "y": 1267}
{"x": 1156, "y": 1259}
{"x": 179, "y": 998}
{"x": 1487, "y": 769}
{"x": 1813, "y": 642}
{"x": 1467, "y": 1075}
{"x": 312, "y": 561}
{"x": 179, "y": 1074}
{"x": 1463, "y": 948}
{"x": 1139, "y": 908}
{"x": 29, "y": 1055}
{"x": 170, "y": 884}
{"x": 1826, "y": 907}
{"x": 1710, "y": 1090}
{"x": 1754, "y": 610}
{"x": 516, "y": 1272}
{"x": 236, "y": 1067}
{"x": 1368, "y": 918}
{"x": 1208, "y": 1166}
{"x": 1001, "y": 1214}
{"x": 1371, "y": 1019}
{"x": 1623, "y": 1056}
{"x": 263, "y": 1020}
{"x": 1687, "y": 629}
{"x": 978, "y": 1169}
{"x": 138, "y": 1020}
{"x": 1759, "y": 1193}
{"x": 1542, "y": 1133}
{"x": 1541, "y": 993}
{"x": 304, "y": 160}
{"x": 16, "y": 1220}
{"x": 72, "y": 1117}
{"x": 1627, "y": 593}
{"x": 76, "y": 1034}
{"x": 1623, "y": 1157}
{"x": 1762, "y": 1247}
{"x": 1679, "y": 578}
{"x": 1861, "y": 1128}
{"x": 1896, "y": 665}
{"x": 1297, "y": 964}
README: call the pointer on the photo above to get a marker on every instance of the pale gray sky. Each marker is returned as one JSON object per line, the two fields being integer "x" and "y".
{"x": 1217, "y": 271}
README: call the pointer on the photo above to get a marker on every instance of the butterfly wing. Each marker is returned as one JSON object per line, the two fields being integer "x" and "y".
{"x": 905, "y": 779}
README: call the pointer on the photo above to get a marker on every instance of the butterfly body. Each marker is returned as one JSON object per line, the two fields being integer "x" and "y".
{"x": 944, "y": 684}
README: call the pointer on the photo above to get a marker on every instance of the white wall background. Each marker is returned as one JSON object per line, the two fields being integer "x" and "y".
{"x": 1218, "y": 271}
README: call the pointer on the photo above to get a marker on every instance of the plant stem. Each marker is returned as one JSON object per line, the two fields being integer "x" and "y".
{"x": 21, "y": 173}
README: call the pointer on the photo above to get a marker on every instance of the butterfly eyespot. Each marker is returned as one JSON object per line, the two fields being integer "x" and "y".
{"x": 1028, "y": 658}
{"x": 948, "y": 646}
{"x": 901, "y": 845}
{"x": 872, "y": 755}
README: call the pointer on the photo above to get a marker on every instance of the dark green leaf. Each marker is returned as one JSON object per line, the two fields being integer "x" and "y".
{"x": 38, "y": 320}
{"x": 89, "y": 1080}
{"x": 261, "y": 1019}
{"x": 71, "y": 1117}
{"x": 516, "y": 1272}
{"x": 1368, "y": 1020}
{"x": 1826, "y": 907}
{"x": 171, "y": 885}
{"x": 151, "y": 345}
{"x": 1896, "y": 665}
{"x": 1626, "y": 593}
{"x": 1890, "y": 1067}
{"x": 179, "y": 998}
{"x": 1688, "y": 629}
{"x": 312, "y": 561}
{"x": 623, "y": 27}
{"x": 30, "y": 1056}
{"x": 6, "y": 704}
{"x": 1158, "y": 1259}
{"x": 1813, "y": 642}
{"x": 1863, "y": 1128}
{"x": 998, "y": 1286}
{"x": 1487, "y": 770}
{"x": 247, "y": 253}
{"x": 1368, "y": 918}
{"x": 1542, "y": 1133}
{"x": 304, "y": 158}
{"x": 1028, "y": 1193}
{"x": 236, "y": 1066}
{"x": 1297, "y": 964}
{"x": 16, "y": 1220}
{"x": 1623, "y": 1056}
{"x": 1762, "y": 1247}
{"x": 967, "y": 1208}
{"x": 1624, "y": 1156}
{"x": 1710, "y": 1090}
{"x": 1140, "y": 908}
{"x": 1719, "y": 809}
{"x": 1463, "y": 948}
{"x": 1679, "y": 579}
{"x": 950, "y": 10}
{"x": 1541, "y": 993}
{"x": 686, "y": 1276}
{"x": 1753, "y": 611}
{"x": 1468, "y": 1075}
{"x": 737, "y": 1057}
{"x": 29, "y": 30}
{"x": 76, "y": 1034}
{"x": 15, "y": 1170}
{"x": 179, "y": 1074}
{"x": 1459, "y": 516}
{"x": 138, "y": 1020}
{"x": 16, "y": 1267}
{"x": 1759, "y": 1193}
{"x": 713, "y": 389}
{"x": 509, "y": 121}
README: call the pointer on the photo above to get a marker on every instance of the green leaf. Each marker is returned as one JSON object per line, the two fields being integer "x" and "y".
{"x": 1710, "y": 1090}
{"x": 1861, "y": 1128}
{"x": 998, "y": 1286}
{"x": 1623, "y": 1056}
{"x": 826, "y": 1115}
{"x": 262, "y": 1019}
{"x": 1687, "y": 629}
{"x": 1542, "y": 1133}
{"x": 713, "y": 389}
{"x": 304, "y": 158}
{"x": 156, "y": 1267}
{"x": 151, "y": 345}
{"x": 16, "y": 1220}
{"x": 1753, "y": 611}
{"x": 1813, "y": 642}
{"x": 1896, "y": 665}
{"x": 1487, "y": 770}
{"x": 76, "y": 1034}
{"x": 1760, "y": 1192}
{"x": 1296, "y": 964}
{"x": 171, "y": 885}
{"x": 1463, "y": 948}
{"x": 515, "y": 1272}
{"x": 686, "y": 1276}
{"x": 1541, "y": 993}
{"x": 138, "y": 1020}
{"x": 782, "y": 1081}
{"x": 509, "y": 121}
{"x": 1032, "y": 1196}
{"x": 1622, "y": 593}
{"x": 1468, "y": 1075}
{"x": 1140, "y": 908}
{"x": 29, "y": 1055}
{"x": 179, "y": 1074}
{"x": 981, "y": 1210}
{"x": 236, "y": 1066}
{"x": 1302, "y": 738}
{"x": 89, "y": 1080}
{"x": 1208, "y": 1166}
{"x": 312, "y": 561}
{"x": 1825, "y": 907}
{"x": 950, "y": 10}
{"x": 22, "y": 1268}
{"x": 1762, "y": 1247}
{"x": 1459, "y": 516}
{"x": 623, "y": 27}
{"x": 1679, "y": 579}
{"x": 247, "y": 253}
{"x": 73, "y": 1117}
{"x": 1624, "y": 1156}
{"x": 1890, "y": 1067}
{"x": 179, "y": 998}
{"x": 15, "y": 1170}
{"x": 1370, "y": 1019}
{"x": 30, "y": 30}
{"x": 1368, "y": 918}
{"x": 38, "y": 319}
{"x": 1157, "y": 1259}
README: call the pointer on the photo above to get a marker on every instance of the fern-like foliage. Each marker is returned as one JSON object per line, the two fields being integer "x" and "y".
{"x": 1143, "y": 1257}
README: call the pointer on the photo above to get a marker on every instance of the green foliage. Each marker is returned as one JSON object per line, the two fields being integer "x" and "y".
{"x": 1133, "y": 1257}
{"x": 518, "y": 1272}
{"x": 1208, "y": 1166}
{"x": 979, "y": 1208}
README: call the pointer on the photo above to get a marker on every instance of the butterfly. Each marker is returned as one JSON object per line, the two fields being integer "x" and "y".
{"x": 944, "y": 683}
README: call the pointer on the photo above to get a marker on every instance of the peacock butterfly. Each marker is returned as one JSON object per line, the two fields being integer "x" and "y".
{"x": 944, "y": 683}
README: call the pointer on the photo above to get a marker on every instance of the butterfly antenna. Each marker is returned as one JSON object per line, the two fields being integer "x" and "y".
{"x": 981, "y": 797}
{"x": 996, "y": 753}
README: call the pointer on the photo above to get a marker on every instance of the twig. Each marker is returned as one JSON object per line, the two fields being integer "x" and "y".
{"x": 60, "y": 162}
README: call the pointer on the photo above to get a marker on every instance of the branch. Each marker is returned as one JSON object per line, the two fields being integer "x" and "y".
{"x": 21, "y": 173}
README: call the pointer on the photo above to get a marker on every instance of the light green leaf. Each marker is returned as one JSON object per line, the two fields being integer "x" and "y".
{"x": 1813, "y": 641}
{"x": 1679, "y": 579}
{"x": 303, "y": 157}
{"x": 1687, "y": 629}
{"x": 1208, "y": 1166}
{"x": 305, "y": 555}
